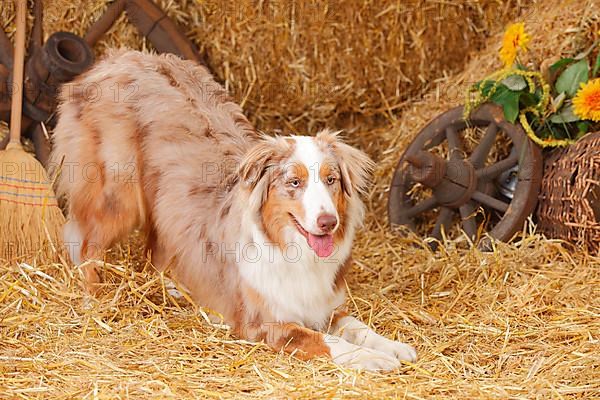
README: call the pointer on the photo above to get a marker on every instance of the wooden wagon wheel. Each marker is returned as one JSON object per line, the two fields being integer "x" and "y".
{"x": 65, "y": 55}
{"x": 462, "y": 181}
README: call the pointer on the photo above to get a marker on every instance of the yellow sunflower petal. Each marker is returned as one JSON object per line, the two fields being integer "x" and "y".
{"x": 586, "y": 103}
{"x": 515, "y": 38}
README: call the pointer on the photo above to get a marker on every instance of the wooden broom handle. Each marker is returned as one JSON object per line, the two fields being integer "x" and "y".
{"x": 18, "y": 66}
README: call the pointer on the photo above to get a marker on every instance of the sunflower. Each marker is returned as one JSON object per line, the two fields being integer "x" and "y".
{"x": 586, "y": 103}
{"x": 515, "y": 38}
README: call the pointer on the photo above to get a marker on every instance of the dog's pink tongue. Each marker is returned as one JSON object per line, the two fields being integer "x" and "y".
{"x": 322, "y": 245}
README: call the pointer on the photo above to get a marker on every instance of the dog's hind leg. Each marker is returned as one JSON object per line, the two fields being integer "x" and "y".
{"x": 78, "y": 248}
{"x": 101, "y": 214}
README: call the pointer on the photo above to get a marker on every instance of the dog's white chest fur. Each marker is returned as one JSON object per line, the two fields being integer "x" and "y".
{"x": 296, "y": 284}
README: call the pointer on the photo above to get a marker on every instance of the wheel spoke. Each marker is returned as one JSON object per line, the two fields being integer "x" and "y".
{"x": 6, "y": 50}
{"x": 492, "y": 171}
{"x": 420, "y": 207}
{"x": 105, "y": 22}
{"x": 443, "y": 221}
{"x": 489, "y": 201}
{"x": 469, "y": 223}
{"x": 482, "y": 150}
{"x": 454, "y": 146}
{"x": 37, "y": 31}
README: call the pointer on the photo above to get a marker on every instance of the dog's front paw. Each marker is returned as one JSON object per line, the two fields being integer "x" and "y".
{"x": 401, "y": 351}
{"x": 363, "y": 358}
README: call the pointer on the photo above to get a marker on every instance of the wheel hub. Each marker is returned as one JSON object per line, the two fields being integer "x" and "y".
{"x": 452, "y": 181}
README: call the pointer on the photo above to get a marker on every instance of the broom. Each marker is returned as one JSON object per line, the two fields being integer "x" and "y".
{"x": 30, "y": 219}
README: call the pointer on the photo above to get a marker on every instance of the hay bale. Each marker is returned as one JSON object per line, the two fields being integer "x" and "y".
{"x": 521, "y": 322}
{"x": 297, "y": 64}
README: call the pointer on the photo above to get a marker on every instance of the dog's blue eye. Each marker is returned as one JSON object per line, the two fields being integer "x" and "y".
{"x": 295, "y": 183}
{"x": 330, "y": 180}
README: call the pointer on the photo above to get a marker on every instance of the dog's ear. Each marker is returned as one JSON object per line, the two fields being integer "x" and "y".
{"x": 355, "y": 165}
{"x": 267, "y": 153}
{"x": 256, "y": 162}
{"x": 256, "y": 168}
{"x": 355, "y": 168}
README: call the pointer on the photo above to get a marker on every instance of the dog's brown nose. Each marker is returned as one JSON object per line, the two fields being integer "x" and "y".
{"x": 326, "y": 222}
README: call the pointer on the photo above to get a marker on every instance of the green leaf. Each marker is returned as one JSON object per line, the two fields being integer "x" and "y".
{"x": 485, "y": 86}
{"x": 572, "y": 77}
{"x": 596, "y": 66}
{"x": 565, "y": 116}
{"x": 529, "y": 99}
{"x": 561, "y": 63}
{"x": 509, "y": 100}
{"x": 514, "y": 82}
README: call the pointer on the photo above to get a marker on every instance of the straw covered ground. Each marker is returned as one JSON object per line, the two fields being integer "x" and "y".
{"x": 522, "y": 321}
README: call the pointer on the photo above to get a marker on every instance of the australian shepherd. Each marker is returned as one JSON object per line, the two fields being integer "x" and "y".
{"x": 257, "y": 228}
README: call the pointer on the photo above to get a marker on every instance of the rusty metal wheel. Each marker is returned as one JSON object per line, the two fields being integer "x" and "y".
{"x": 65, "y": 55}
{"x": 475, "y": 176}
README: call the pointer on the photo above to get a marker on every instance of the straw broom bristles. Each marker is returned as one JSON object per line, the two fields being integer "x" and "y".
{"x": 30, "y": 219}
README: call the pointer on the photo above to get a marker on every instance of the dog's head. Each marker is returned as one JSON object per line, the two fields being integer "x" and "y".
{"x": 306, "y": 188}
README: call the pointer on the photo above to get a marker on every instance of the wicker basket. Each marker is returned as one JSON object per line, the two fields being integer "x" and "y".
{"x": 569, "y": 206}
